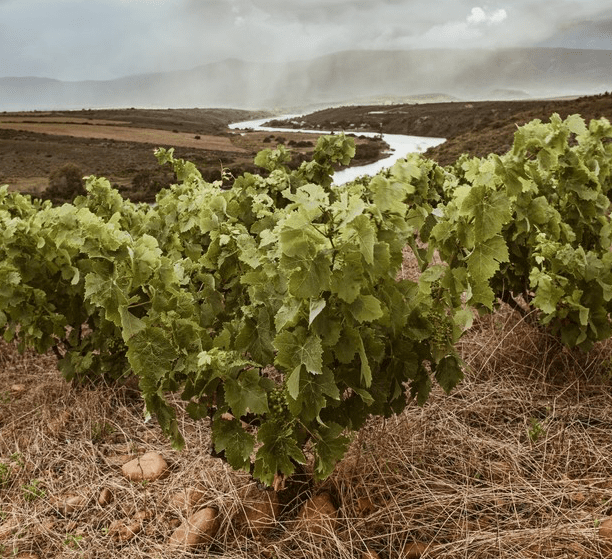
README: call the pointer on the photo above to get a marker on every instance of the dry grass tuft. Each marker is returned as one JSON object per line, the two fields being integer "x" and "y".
{"x": 515, "y": 463}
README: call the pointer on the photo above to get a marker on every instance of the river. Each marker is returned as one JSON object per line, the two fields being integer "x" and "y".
{"x": 399, "y": 145}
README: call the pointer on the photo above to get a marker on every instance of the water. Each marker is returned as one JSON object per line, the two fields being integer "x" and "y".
{"x": 399, "y": 146}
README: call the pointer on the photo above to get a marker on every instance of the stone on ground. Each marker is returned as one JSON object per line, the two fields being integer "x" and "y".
{"x": 200, "y": 528}
{"x": 318, "y": 515}
{"x": 105, "y": 498}
{"x": 414, "y": 550}
{"x": 260, "y": 509}
{"x": 605, "y": 530}
{"x": 188, "y": 498}
{"x": 149, "y": 467}
{"x": 123, "y": 532}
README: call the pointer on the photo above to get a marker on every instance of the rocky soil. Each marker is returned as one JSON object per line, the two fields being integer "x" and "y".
{"x": 514, "y": 463}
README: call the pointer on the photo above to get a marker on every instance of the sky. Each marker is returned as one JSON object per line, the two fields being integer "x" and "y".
{"x": 105, "y": 39}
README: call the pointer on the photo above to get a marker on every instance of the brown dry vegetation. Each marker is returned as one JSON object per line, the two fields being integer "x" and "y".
{"x": 78, "y": 129}
{"x": 118, "y": 144}
{"x": 514, "y": 463}
{"x": 475, "y": 127}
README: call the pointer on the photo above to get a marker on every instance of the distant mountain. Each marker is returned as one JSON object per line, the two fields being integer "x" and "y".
{"x": 331, "y": 79}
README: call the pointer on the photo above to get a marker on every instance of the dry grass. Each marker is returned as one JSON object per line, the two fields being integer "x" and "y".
{"x": 124, "y": 134}
{"x": 515, "y": 463}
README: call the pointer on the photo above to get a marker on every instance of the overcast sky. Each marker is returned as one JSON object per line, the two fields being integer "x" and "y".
{"x": 105, "y": 39}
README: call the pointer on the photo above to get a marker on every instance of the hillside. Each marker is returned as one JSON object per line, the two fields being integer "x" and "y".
{"x": 330, "y": 79}
{"x": 118, "y": 144}
{"x": 477, "y": 128}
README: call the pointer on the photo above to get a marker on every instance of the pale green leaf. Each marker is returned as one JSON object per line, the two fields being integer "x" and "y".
{"x": 316, "y": 307}
{"x": 361, "y": 231}
{"x": 293, "y": 382}
{"x": 311, "y": 276}
{"x": 288, "y": 314}
{"x": 347, "y": 281}
{"x": 388, "y": 196}
{"x": 366, "y": 308}
{"x": 490, "y": 210}
{"x": 130, "y": 324}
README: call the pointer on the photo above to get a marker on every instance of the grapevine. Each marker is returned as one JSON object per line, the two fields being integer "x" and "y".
{"x": 214, "y": 286}
{"x": 533, "y": 226}
{"x": 273, "y": 305}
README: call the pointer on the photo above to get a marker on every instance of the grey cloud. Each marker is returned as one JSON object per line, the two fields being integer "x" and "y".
{"x": 71, "y": 39}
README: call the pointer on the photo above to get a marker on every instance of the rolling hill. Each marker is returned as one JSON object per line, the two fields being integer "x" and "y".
{"x": 330, "y": 79}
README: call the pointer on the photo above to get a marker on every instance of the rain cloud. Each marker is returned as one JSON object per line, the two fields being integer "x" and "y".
{"x": 77, "y": 40}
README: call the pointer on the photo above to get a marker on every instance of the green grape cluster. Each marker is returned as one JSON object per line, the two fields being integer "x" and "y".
{"x": 442, "y": 330}
{"x": 277, "y": 403}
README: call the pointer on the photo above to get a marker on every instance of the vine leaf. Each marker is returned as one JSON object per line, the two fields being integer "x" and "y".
{"x": 490, "y": 210}
{"x": 151, "y": 353}
{"x": 310, "y": 276}
{"x": 316, "y": 307}
{"x": 246, "y": 393}
{"x": 483, "y": 262}
{"x": 299, "y": 348}
{"x": 229, "y": 436}
{"x": 330, "y": 447}
{"x": 278, "y": 452}
{"x": 362, "y": 230}
{"x": 366, "y": 308}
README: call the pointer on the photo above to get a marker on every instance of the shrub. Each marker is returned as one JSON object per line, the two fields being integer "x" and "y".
{"x": 65, "y": 184}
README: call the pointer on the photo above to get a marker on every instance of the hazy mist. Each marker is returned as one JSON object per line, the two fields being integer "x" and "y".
{"x": 133, "y": 44}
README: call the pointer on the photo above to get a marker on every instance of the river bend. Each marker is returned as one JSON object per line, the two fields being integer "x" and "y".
{"x": 399, "y": 145}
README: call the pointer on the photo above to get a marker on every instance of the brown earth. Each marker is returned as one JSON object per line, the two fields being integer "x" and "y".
{"x": 477, "y": 128}
{"x": 119, "y": 144}
{"x": 121, "y": 133}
